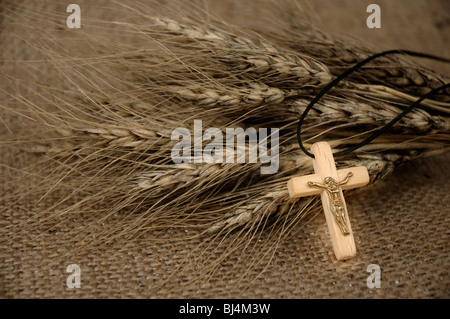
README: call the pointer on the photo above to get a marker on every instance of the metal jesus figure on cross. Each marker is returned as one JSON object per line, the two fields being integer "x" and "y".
{"x": 330, "y": 182}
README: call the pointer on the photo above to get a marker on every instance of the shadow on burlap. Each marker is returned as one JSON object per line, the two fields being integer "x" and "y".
{"x": 400, "y": 224}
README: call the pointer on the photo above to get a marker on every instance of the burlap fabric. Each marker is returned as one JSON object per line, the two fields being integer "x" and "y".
{"x": 400, "y": 224}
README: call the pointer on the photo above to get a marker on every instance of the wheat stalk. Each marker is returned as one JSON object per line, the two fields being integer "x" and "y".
{"x": 304, "y": 69}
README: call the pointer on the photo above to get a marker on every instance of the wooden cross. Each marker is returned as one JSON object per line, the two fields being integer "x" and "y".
{"x": 330, "y": 182}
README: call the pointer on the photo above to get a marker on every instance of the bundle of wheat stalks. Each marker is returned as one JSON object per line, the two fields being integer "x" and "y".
{"x": 101, "y": 132}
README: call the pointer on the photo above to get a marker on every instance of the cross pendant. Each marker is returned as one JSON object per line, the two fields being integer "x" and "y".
{"x": 329, "y": 183}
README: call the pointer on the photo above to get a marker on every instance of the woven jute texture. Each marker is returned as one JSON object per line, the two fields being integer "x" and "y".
{"x": 400, "y": 224}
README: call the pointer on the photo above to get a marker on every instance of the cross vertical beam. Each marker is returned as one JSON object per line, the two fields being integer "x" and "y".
{"x": 329, "y": 182}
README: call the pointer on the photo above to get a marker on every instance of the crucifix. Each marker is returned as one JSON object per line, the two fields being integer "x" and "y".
{"x": 329, "y": 183}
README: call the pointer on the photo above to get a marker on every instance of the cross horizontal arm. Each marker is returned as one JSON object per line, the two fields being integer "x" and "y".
{"x": 298, "y": 186}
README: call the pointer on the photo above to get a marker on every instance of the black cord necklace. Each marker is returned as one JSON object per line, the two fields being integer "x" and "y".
{"x": 388, "y": 125}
